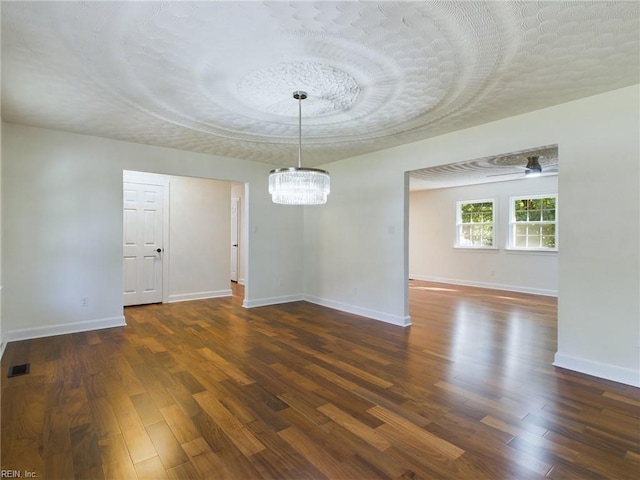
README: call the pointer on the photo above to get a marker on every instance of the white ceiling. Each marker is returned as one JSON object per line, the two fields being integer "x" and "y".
{"x": 218, "y": 77}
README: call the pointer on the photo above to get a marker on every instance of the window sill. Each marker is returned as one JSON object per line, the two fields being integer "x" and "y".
{"x": 476, "y": 249}
{"x": 530, "y": 251}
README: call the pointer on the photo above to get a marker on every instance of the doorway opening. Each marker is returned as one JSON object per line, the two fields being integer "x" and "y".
{"x": 462, "y": 223}
{"x": 183, "y": 238}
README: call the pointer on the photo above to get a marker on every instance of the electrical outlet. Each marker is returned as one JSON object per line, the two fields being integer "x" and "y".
{"x": 84, "y": 302}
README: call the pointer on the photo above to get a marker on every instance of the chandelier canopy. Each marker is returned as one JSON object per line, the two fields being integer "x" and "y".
{"x": 297, "y": 185}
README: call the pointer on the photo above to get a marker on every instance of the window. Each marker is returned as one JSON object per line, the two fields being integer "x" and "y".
{"x": 533, "y": 223}
{"x": 475, "y": 224}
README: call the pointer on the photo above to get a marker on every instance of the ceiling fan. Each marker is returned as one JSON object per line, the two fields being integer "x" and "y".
{"x": 532, "y": 169}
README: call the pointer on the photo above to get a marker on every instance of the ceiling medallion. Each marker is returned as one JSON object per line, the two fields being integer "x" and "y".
{"x": 339, "y": 89}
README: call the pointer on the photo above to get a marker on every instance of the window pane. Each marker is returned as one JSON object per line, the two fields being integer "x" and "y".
{"x": 465, "y": 235}
{"x": 549, "y": 236}
{"x": 549, "y": 230}
{"x": 476, "y": 224}
{"x": 534, "y": 215}
{"x": 534, "y": 209}
{"x": 534, "y": 236}
{"x": 533, "y": 230}
{"x": 533, "y": 241}
{"x": 549, "y": 203}
{"x": 487, "y": 234}
{"x": 521, "y": 230}
{"x": 476, "y": 237}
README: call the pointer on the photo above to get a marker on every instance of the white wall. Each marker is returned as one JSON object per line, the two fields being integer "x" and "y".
{"x": 200, "y": 232}
{"x": 356, "y": 244}
{"x": 62, "y": 227}
{"x": 3, "y": 343}
{"x": 432, "y": 232}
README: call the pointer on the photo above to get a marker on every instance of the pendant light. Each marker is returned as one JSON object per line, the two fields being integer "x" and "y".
{"x": 297, "y": 185}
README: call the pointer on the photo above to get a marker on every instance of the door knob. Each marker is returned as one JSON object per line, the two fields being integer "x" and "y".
{"x": 234, "y": 245}
{"x": 159, "y": 250}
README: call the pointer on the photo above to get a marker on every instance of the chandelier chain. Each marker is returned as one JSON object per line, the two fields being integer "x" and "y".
{"x": 300, "y": 131}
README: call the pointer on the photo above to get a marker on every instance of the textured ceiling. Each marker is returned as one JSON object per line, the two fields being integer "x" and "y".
{"x": 511, "y": 166}
{"x": 218, "y": 77}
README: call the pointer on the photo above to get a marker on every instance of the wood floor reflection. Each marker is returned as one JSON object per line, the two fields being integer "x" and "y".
{"x": 209, "y": 389}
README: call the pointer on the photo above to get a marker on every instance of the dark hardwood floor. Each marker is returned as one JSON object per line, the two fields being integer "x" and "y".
{"x": 208, "y": 389}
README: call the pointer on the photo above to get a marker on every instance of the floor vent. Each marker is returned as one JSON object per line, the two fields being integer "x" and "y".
{"x": 17, "y": 370}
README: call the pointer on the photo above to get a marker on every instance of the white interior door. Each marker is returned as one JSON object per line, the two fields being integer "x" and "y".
{"x": 142, "y": 243}
{"x": 235, "y": 205}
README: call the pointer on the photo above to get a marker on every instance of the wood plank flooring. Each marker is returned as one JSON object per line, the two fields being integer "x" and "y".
{"x": 208, "y": 389}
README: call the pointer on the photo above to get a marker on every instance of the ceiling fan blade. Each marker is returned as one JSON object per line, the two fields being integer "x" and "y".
{"x": 503, "y": 174}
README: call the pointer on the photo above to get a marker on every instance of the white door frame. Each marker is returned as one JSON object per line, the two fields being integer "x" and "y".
{"x": 163, "y": 181}
{"x": 235, "y": 237}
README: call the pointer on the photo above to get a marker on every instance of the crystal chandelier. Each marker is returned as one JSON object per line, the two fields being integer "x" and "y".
{"x": 297, "y": 185}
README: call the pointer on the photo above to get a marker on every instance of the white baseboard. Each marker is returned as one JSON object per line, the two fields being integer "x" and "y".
{"x": 63, "y": 328}
{"x": 492, "y": 286}
{"x": 263, "y": 302}
{"x": 363, "y": 312}
{"x": 402, "y": 321}
{"x": 184, "y": 297}
{"x": 241, "y": 281}
{"x": 628, "y": 376}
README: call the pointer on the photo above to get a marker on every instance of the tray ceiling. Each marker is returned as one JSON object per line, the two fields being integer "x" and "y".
{"x": 218, "y": 77}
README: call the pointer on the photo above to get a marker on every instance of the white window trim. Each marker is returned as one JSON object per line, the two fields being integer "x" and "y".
{"x": 510, "y": 240}
{"x": 456, "y": 243}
